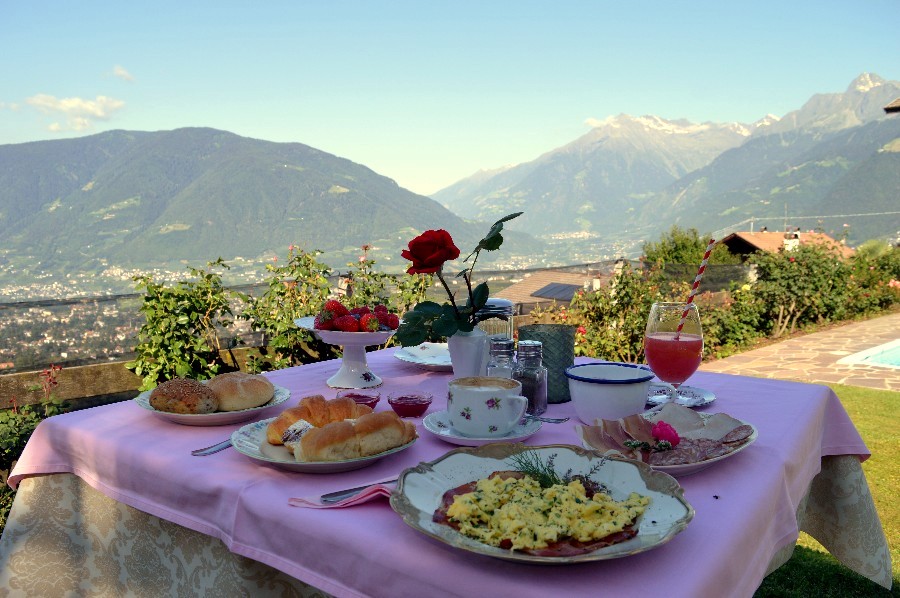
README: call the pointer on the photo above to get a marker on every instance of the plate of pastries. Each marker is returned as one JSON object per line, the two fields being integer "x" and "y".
{"x": 325, "y": 436}
{"x": 228, "y": 398}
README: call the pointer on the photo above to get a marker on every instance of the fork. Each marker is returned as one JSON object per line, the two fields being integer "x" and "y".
{"x": 210, "y": 450}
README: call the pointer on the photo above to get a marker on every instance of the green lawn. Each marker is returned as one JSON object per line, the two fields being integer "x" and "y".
{"x": 814, "y": 572}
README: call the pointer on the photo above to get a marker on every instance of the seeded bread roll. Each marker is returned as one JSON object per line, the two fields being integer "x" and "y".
{"x": 240, "y": 390}
{"x": 183, "y": 396}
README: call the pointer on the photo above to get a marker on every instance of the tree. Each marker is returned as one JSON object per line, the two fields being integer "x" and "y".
{"x": 685, "y": 246}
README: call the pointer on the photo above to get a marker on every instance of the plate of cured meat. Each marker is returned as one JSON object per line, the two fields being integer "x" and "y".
{"x": 437, "y": 498}
{"x": 703, "y": 439}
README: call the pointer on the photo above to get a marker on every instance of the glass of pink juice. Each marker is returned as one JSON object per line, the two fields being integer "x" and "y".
{"x": 673, "y": 356}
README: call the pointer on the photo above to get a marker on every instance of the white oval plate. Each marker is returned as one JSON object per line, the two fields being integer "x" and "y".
{"x": 438, "y": 423}
{"x": 689, "y": 468}
{"x": 420, "y": 489}
{"x": 428, "y": 356}
{"x": 218, "y": 418}
{"x": 250, "y": 440}
{"x": 688, "y": 396}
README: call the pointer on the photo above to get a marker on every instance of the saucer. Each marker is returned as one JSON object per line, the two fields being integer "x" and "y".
{"x": 688, "y": 396}
{"x": 438, "y": 423}
{"x": 427, "y": 356}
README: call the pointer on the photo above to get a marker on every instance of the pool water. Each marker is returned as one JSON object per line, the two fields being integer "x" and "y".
{"x": 886, "y": 355}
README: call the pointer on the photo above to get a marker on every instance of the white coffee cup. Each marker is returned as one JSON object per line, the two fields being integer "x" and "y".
{"x": 485, "y": 407}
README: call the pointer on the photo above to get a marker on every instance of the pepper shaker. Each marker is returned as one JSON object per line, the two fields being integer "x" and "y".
{"x": 532, "y": 374}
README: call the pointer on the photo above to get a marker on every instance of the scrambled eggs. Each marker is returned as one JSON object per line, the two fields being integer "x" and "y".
{"x": 532, "y": 517}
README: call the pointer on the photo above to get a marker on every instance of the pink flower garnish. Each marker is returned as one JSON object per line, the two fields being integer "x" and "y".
{"x": 663, "y": 431}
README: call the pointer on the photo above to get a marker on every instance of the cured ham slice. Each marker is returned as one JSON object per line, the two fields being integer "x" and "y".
{"x": 701, "y": 437}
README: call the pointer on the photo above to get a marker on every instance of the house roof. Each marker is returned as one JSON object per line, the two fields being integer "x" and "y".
{"x": 772, "y": 241}
{"x": 525, "y": 291}
{"x": 893, "y": 106}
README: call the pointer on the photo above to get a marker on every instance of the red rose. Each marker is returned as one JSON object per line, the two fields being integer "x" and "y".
{"x": 429, "y": 251}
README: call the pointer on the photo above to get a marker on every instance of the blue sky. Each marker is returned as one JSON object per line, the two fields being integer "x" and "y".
{"x": 424, "y": 92}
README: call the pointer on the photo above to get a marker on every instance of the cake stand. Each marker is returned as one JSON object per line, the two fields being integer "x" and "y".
{"x": 354, "y": 371}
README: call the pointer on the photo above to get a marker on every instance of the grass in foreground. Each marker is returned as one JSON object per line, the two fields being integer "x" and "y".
{"x": 811, "y": 570}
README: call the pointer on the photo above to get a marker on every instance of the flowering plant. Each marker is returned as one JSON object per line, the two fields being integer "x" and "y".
{"x": 428, "y": 253}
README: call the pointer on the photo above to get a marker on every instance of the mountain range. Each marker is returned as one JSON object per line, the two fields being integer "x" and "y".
{"x": 163, "y": 199}
{"x": 140, "y": 199}
{"x": 837, "y": 154}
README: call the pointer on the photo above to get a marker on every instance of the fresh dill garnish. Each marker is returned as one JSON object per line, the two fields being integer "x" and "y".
{"x": 530, "y": 464}
{"x": 544, "y": 472}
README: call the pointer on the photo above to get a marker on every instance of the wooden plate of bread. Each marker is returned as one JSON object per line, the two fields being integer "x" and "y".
{"x": 228, "y": 398}
{"x": 319, "y": 436}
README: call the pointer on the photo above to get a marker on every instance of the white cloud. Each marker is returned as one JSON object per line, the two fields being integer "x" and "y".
{"x": 80, "y": 113}
{"x": 121, "y": 73}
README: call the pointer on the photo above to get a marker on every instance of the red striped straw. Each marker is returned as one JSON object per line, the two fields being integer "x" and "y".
{"x": 690, "y": 299}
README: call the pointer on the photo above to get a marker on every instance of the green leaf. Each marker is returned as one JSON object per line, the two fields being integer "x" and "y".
{"x": 445, "y": 326}
{"x": 428, "y": 308}
{"x": 480, "y": 295}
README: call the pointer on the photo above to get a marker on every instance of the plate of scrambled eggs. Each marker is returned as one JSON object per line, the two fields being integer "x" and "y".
{"x": 517, "y": 518}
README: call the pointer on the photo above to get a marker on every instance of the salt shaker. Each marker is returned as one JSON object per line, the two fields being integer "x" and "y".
{"x": 501, "y": 361}
{"x": 533, "y": 375}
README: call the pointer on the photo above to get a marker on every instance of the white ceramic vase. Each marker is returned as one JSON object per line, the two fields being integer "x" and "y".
{"x": 469, "y": 353}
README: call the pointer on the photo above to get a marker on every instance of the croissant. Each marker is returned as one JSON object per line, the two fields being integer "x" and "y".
{"x": 317, "y": 411}
{"x": 371, "y": 434}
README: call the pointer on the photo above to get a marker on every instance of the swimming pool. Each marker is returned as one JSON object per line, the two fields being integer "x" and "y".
{"x": 886, "y": 356}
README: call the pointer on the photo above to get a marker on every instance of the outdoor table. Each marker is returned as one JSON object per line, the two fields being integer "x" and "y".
{"x": 131, "y": 511}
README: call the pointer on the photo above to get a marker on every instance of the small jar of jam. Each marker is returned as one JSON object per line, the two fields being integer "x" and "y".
{"x": 363, "y": 396}
{"x": 410, "y": 403}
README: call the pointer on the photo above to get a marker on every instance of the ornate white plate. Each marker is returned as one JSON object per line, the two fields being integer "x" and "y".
{"x": 420, "y": 489}
{"x": 438, "y": 423}
{"x": 428, "y": 356}
{"x": 251, "y": 441}
{"x": 688, "y": 396}
{"x": 219, "y": 418}
{"x": 680, "y": 471}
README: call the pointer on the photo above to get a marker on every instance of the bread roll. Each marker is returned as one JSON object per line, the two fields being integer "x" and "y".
{"x": 240, "y": 390}
{"x": 183, "y": 396}
{"x": 371, "y": 434}
{"x": 317, "y": 411}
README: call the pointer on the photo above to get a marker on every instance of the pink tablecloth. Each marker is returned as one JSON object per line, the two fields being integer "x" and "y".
{"x": 745, "y": 507}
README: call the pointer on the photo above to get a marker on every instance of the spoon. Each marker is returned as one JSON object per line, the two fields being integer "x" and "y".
{"x": 548, "y": 420}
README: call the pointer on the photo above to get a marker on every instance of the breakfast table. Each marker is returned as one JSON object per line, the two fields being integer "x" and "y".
{"x": 111, "y": 502}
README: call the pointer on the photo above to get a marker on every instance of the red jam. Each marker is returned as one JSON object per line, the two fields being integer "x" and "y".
{"x": 362, "y": 397}
{"x": 410, "y": 403}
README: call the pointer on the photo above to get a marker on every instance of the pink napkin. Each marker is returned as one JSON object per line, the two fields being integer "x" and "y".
{"x": 372, "y": 492}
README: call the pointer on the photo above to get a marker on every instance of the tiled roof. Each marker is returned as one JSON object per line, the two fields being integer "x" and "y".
{"x": 893, "y": 106}
{"x": 774, "y": 241}
{"x": 523, "y": 291}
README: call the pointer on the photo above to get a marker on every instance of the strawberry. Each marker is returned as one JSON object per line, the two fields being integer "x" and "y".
{"x": 369, "y": 323}
{"x": 346, "y": 323}
{"x": 380, "y": 308}
{"x": 393, "y": 321}
{"x": 320, "y": 323}
{"x": 335, "y": 308}
{"x": 383, "y": 318}
{"x": 360, "y": 311}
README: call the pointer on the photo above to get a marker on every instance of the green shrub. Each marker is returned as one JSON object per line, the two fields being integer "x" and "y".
{"x": 806, "y": 285}
{"x": 615, "y": 316}
{"x": 180, "y": 337}
{"x": 297, "y": 288}
{"x": 16, "y": 426}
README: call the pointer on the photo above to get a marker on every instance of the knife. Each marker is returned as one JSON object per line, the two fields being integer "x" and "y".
{"x": 340, "y": 495}
{"x": 210, "y": 450}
